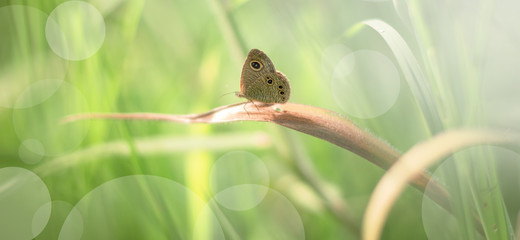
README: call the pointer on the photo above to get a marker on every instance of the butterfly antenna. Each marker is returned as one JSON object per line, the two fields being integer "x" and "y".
{"x": 227, "y": 94}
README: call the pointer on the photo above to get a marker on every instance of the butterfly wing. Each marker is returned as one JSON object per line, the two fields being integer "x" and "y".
{"x": 257, "y": 64}
{"x": 269, "y": 88}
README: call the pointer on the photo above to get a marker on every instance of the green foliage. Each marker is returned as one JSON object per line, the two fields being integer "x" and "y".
{"x": 181, "y": 57}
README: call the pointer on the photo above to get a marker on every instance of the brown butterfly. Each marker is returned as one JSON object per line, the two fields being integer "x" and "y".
{"x": 261, "y": 82}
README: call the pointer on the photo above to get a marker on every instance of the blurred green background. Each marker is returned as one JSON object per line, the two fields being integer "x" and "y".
{"x": 111, "y": 179}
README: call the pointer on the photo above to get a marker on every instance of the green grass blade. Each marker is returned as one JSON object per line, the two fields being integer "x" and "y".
{"x": 411, "y": 70}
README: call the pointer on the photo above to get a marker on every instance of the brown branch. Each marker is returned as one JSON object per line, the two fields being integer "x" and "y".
{"x": 321, "y": 123}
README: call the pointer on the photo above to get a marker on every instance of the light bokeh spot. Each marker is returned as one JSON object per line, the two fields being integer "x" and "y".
{"x": 365, "y": 84}
{"x": 41, "y": 218}
{"x": 330, "y": 58}
{"x": 37, "y": 93}
{"x": 441, "y": 224}
{"x": 207, "y": 226}
{"x": 241, "y": 197}
{"x": 275, "y": 217}
{"x": 134, "y": 207}
{"x": 60, "y": 210}
{"x": 31, "y": 151}
{"x": 72, "y": 227}
{"x": 75, "y": 30}
{"x": 42, "y": 122}
{"x": 236, "y": 180}
{"x": 26, "y": 58}
{"x": 23, "y": 199}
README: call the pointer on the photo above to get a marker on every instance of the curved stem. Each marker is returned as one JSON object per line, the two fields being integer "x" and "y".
{"x": 321, "y": 123}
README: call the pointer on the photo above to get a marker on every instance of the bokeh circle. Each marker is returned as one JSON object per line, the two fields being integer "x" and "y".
{"x": 365, "y": 84}
{"x": 135, "y": 207}
{"x": 275, "y": 217}
{"x": 441, "y": 224}
{"x": 75, "y": 30}
{"x": 24, "y": 207}
{"x": 238, "y": 180}
{"x": 330, "y": 58}
{"x": 26, "y": 58}
{"x": 42, "y": 122}
{"x": 31, "y": 151}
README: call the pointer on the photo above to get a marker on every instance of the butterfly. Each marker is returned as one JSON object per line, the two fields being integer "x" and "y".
{"x": 261, "y": 82}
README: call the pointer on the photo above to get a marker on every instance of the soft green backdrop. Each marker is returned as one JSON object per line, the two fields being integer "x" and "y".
{"x": 180, "y": 57}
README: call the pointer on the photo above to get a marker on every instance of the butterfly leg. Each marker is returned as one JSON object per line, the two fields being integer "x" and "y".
{"x": 244, "y": 106}
{"x": 255, "y": 106}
